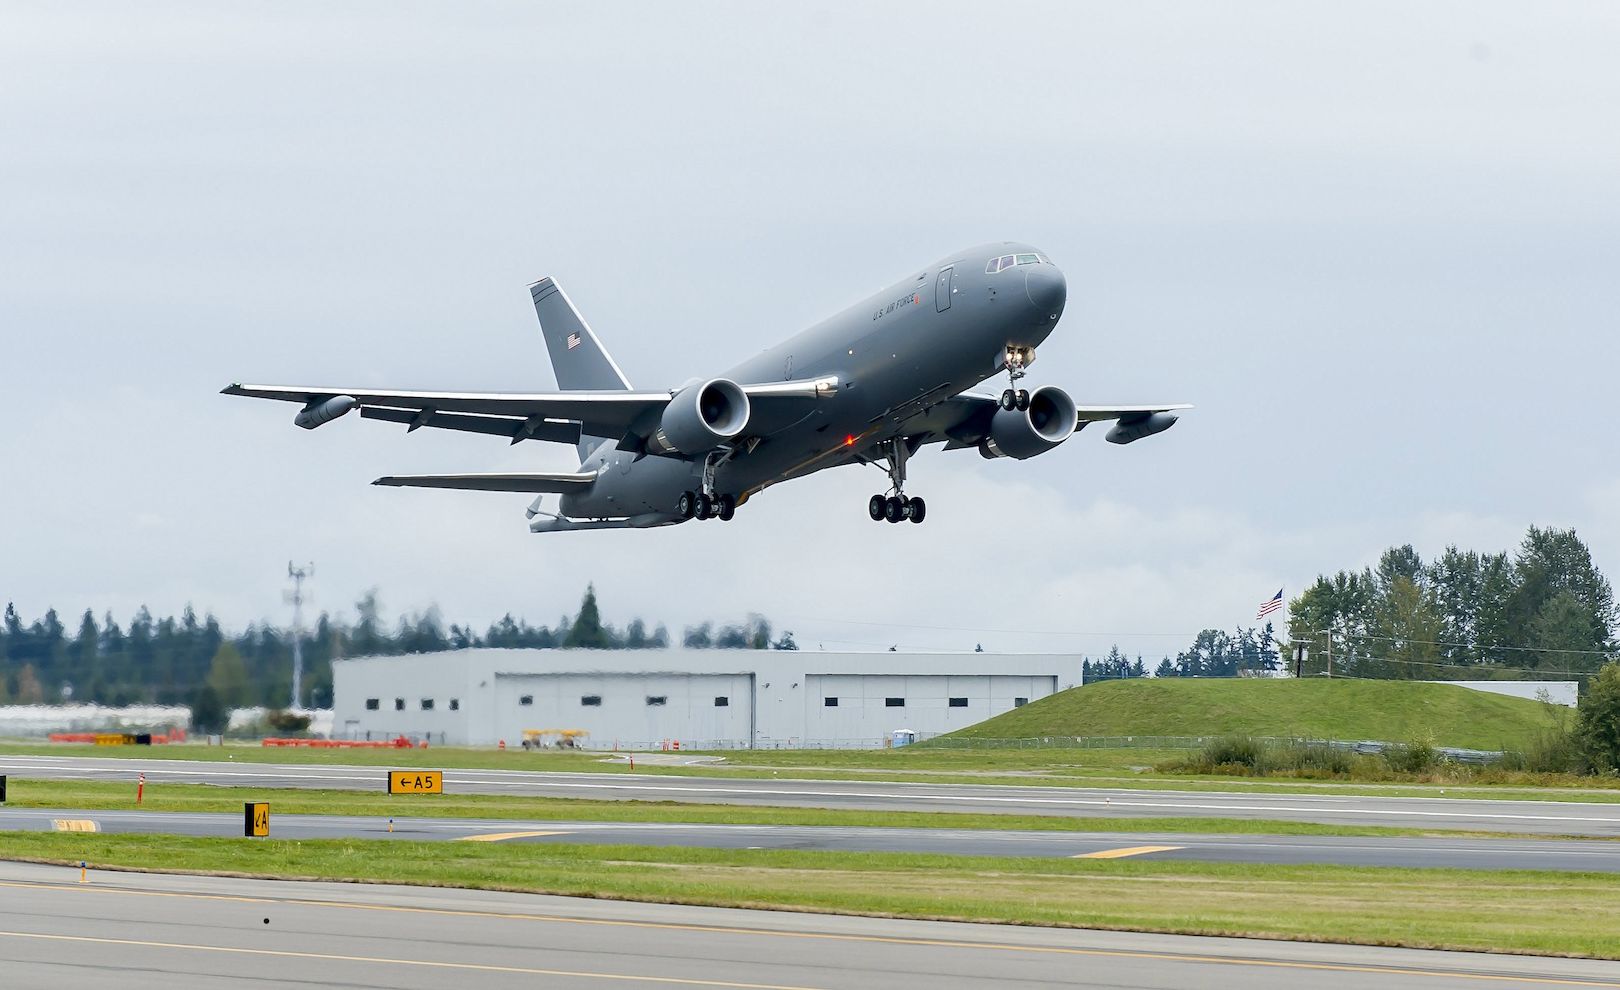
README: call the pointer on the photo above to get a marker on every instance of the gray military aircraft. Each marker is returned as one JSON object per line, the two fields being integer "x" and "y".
{"x": 870, "y": 385}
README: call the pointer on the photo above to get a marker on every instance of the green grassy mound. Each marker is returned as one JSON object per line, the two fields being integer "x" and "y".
{"x": 1394, "y": 711}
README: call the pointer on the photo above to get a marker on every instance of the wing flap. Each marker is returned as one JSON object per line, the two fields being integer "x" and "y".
{"x": 561, "y": 482}
{"x": 534, "y": 428}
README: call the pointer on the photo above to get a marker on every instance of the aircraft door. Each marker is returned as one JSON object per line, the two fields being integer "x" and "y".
{"x": 942, "y": 289}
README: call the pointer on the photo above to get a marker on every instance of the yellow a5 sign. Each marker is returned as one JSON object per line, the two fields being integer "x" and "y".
{"x": 416, "y": 782}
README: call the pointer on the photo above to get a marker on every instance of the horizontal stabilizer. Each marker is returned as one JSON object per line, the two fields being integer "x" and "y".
{"x": 559, "y": 482}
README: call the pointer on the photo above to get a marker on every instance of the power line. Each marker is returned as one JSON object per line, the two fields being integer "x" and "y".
{"x": 981, "y": 629}
{"x": 1473, "y": 666}
{"x": 1476, "y": 646}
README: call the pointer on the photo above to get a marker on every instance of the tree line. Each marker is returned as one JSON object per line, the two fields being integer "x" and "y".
{"x": 1544, "y": 610}
{"x": 169, "y": 660}
{"x": 1214, "y": 653}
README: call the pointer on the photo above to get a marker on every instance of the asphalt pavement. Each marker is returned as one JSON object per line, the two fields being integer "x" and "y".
{"x": 123, "y": 930}
{"x": 1546, "y": 817}
{"x": 1416, "y": 851}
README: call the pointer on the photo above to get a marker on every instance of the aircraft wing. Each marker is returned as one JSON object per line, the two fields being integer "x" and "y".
{"x": 554, "y": 416}
{"x": 964, "y": 420}
{"x": 599, "y": 413}
{"x": 1125, "y": 414}
{"x": 561, "y": 482}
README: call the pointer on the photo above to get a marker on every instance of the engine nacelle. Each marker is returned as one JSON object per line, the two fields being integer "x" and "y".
{"x": 701, "y": 417}
{"x": 1128, "y": 431}
{"x": 1021, "y": 434}
{"x": 318, "y": 413}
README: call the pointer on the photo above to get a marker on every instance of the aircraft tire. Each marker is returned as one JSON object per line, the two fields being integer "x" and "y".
{"x": 894, "y": 510}
{"x": 875, "y": 507}
{"x": 686, "y": 505}
{"x": 1022, "y": 399}
{"x": 1009, "y": 400}
{"x": 705, "y": 507}
{"x": 727, "y": 508}
{"x": 916, "y": 509}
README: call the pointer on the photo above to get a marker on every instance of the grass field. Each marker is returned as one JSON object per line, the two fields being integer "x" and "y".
{"x": 1537, "y": 912}
{"x": 908, "y": 758}
{"x": 102, "y": 796}
{"x": 1394, "y": 711}
{"x": 1053, "y": 767}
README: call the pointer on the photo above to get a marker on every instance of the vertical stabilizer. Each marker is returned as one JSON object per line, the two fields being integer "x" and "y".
{"x": 578, "y": 359}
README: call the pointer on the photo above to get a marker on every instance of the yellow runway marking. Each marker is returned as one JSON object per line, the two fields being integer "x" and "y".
{"x": 1127, "y": 851}
{"x": 503, "y": 836}
{"x": 74, "y": 825}
{"x": 833, "y": 937}
{"x": 427, "y": 963}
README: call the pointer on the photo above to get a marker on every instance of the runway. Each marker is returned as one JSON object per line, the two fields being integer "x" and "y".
{"x": 128, "y": 929}
{"x": 1479, "y": 854}
{"x": 1545, "y": 817}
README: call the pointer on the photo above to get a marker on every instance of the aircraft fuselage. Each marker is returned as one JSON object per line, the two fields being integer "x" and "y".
{"x": 894, "y": 354}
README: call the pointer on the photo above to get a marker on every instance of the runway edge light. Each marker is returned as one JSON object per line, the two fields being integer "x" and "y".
{"x": 255, "y": 819}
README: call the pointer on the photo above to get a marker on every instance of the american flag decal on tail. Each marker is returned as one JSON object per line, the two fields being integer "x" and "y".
{"x": 573, "y": 341}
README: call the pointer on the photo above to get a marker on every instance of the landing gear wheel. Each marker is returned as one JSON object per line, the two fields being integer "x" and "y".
{"x": 686, "y": 505}
{"x": 894, "y": 509}
{"x": 916, "y": 509}
{"x": 1022, "y": 399}
{"x": 705, "y": 507}
{"x": 1009, "y": 400}
{"x": 875, "y": 508}
{"x": 727, "y": 508}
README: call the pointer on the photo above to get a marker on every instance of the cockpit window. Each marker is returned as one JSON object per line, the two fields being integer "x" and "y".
{"x": 1007, "y": 261}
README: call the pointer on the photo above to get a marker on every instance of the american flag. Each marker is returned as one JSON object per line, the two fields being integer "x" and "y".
{"x": 1270, "y": 605}
{"x": 573, "y": 341}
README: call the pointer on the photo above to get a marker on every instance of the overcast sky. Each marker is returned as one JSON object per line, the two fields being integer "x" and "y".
{"x": 1378, "y": 246}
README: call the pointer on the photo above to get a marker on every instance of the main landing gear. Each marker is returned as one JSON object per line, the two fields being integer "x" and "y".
{"x": 706, "y": 504}
{"x": 697, "y": 505}
{"x": 896, "y": 507}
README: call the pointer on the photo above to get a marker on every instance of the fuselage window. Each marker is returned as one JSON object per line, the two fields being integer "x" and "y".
{"x": 1006, "y": 261}
{"x": 1029, "y": 259}
{"x": 993, "y": 266}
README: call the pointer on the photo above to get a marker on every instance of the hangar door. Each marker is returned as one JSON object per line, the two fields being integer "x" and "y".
{"x": 632, "y": 710}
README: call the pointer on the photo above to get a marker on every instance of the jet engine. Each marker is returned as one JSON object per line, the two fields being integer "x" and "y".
{"x": 701, "y": 417}
{"x": 1022, "y": 434}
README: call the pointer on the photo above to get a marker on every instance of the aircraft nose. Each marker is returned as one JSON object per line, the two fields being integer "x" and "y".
{"x": 1047, "y": 290}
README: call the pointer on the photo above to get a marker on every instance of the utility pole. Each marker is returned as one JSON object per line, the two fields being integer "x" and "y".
{"x": 1329, "y": 633}
{"x": 296, "y": 596}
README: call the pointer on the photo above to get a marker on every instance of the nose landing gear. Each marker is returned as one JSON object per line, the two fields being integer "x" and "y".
{"x": 896, "y": 507}
{"x": 1018, "y": 359}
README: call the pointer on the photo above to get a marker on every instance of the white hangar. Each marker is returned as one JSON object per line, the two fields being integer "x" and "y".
{"x": 702, "y": 699}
